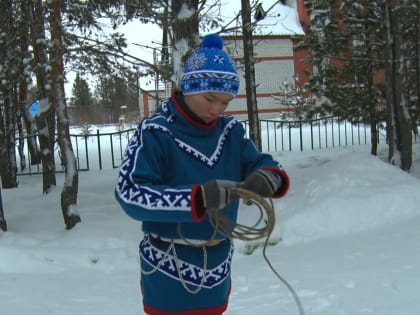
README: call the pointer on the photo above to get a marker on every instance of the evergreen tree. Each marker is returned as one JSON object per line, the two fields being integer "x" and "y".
{"x": 9, "y": 76}
{"x": 324, "y": 43}
{"x": 81, "y": 102}
{"x": 372, "y": 36}
{"x": 364, "y": 30}
{"x": 399, "y": 124}
{"x": 45, "y": 119}
{"x": 113, "y": 94}
{"x": 410, "y": 18}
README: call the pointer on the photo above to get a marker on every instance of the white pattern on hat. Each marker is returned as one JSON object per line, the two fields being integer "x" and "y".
{"x": 210, "y": 69}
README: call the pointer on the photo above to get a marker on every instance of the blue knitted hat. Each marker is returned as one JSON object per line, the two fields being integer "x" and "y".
{"x": 210, "y": 69}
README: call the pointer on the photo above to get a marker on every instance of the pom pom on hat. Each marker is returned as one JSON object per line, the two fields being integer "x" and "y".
{"x": 210, "y": 69}
{"x": 212, "y": 41}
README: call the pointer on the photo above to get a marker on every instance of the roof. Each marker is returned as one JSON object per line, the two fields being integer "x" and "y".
{"x": 280, "y": 20}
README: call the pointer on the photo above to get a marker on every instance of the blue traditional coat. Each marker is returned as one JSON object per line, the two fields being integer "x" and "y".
{"x": 166, "y": 160}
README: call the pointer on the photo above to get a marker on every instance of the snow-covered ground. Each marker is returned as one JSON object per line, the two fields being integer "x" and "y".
{"x": 348, "y": 229}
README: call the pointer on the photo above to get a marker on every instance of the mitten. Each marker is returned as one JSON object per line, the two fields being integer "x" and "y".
{"x": 263, "y": 182}
{"x": 216, "y": 193}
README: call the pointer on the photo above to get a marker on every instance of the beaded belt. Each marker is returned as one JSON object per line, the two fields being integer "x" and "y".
{"x": 155, "y": 238}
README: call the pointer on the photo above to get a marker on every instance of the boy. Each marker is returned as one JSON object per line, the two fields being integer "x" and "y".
{"x": 181, "y": 163}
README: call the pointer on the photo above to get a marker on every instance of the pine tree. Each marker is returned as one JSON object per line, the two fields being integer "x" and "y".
{"x": 81, "y": 102}
{"x": 364, "y": 31}
{"x": 399, "y": 127}
{"x": 45, "y": 120}
{"x": 372, "y": 36}
{"x": 9, "y": 76}
{"x": 111, "y": 94}
{"x": 410, "y": 18}
{"x": 324, "y": 43}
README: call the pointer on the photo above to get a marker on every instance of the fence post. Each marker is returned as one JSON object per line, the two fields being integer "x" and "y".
{"x": 282, "y": 136}
{"x": 319, "y": 134}
{"x": 339, "y": 132}
{"x": 301, "y": 134}
{"x": 326, "y": 133}
{"x": 99, "y": 149}
{"x": 275, "y": 136}
{"x": 345, "y": 132}
{"x": 112, "y": 151}
{"x": 87, "y": 152}
{"x": 312, "y": 135}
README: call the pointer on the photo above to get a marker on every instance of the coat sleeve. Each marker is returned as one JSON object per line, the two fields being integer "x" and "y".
{"x": 139, "y": 190}
{"x": 253, "y": 159}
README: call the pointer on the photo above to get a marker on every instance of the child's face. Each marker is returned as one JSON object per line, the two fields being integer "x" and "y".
{"x": 208, "y": 106}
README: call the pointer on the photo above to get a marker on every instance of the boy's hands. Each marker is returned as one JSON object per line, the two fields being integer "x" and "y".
{"x": 263, "y": 182}
{"x": 216, "y": 193}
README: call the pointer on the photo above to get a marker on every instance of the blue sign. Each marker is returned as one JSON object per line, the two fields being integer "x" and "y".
{"x": 33, "y": 108}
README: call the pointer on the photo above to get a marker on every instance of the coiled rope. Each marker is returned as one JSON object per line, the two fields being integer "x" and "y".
{"x": 261, "y": 229}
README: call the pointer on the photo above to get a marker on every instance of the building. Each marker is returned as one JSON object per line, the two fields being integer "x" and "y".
{"x": 277, "y": 61}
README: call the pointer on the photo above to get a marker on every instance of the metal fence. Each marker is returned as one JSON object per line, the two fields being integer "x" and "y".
{"x": 93, "y": 151}
{"x": 295, "y": 135}
{"x": 105, "y": 150}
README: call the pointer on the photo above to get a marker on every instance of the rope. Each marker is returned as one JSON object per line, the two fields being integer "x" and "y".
{"x": 171, "y": 249}
{"x": 261, "y": 229}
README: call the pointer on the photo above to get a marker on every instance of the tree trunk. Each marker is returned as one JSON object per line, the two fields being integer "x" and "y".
{"x": 46, "y": 121}
{"x": 374, "y": 134}
{"x": 185, "y": 34}
{"x": 21, "y": 138}
{"x": 389, "y": 85}
{"x": 31, "y": 140}
{"x": 399, "y": 129}
{"x": 8, "y": 71}
{"x": 402, "y": 116}
{"x": 71, "y": 182}
{"x": 417, "y": 60}
{"x": 250, "y": 86}
{"x": 3, "y": 224}
{"x": 45, "y": 125}
{"x": 8, "y": 168}
{"x": 22, "y": 90}
{"x": 29, "y": 122}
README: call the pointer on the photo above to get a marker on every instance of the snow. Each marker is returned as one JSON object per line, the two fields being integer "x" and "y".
{"x": 280, "y": 20}
{"x": 346, "y": 240}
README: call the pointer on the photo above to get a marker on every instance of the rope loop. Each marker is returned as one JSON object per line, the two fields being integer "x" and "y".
{"x": 263, "y": 226}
